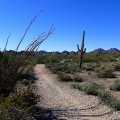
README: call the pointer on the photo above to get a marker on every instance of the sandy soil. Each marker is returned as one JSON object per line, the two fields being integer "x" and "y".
{"x": 67, "y": 103}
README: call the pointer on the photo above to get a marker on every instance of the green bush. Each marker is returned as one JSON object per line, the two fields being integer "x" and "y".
{"x": 18, "y": 106}
{"x": 90, "y": 88}
{"x": 105, "y": 96}
{"x": 109, "y": 99}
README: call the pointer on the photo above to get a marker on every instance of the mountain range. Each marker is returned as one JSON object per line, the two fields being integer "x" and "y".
{"x": 99, "y": 50}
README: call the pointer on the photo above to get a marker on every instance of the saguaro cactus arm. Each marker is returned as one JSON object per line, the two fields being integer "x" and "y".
{"x": 78, "y": 47}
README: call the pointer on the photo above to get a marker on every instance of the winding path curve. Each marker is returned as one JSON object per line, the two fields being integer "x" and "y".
{"x": 67, "y": 103}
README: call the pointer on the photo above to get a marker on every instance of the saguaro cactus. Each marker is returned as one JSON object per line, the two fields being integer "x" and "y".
{"x": 81, "y": 51}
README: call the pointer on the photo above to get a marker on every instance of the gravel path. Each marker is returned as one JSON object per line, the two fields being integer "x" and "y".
{"x": 67, "y": 103}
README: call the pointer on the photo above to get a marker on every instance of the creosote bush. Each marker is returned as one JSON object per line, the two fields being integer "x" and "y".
{"x": 91, "y": 88}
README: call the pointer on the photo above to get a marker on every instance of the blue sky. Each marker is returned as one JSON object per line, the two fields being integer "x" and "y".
{"x": 99, "y": 18}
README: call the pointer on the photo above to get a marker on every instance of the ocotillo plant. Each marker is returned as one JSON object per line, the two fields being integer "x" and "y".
{"x": 82, "y": 50}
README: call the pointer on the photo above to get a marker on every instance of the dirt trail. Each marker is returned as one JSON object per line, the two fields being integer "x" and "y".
{"x": 67, "y": 103}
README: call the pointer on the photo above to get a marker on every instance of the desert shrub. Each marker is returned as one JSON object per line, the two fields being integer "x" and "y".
{"x": 57, "y": 68}
{"x": 89, "y": 67}
{"x": 29, "y": 68}
{"x": 106, "y": 74}
{"x": 77, "y": 78}
{"x": 96, "y": 57}
{"x": 49, "y": 65}
{"x": 11, "y": 68}
{"x": 42, "y": 60}
{"x": 109, "y": 99}
{"x": 105, "y": 96}
{"x": 54, "y": 59}
{"x": 90, "y": 57}
{"x": 90, "y": 88}
{"x": 18, "y": 106}
{"x": 63, "y": 67}
{"x": 116, "y": 85}
{"x": 116, "y": 104}
{"x": 117, "y": 67}
{"x": 27, "y": 78}
{"x": 69, "y": 77}
{"x": 64, "y": 77}
{"x": 45, "y": 59}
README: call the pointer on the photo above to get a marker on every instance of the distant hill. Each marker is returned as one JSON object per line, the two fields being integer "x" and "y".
{"x": 111, "y": 50}
{"x": 99, "y": 50}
